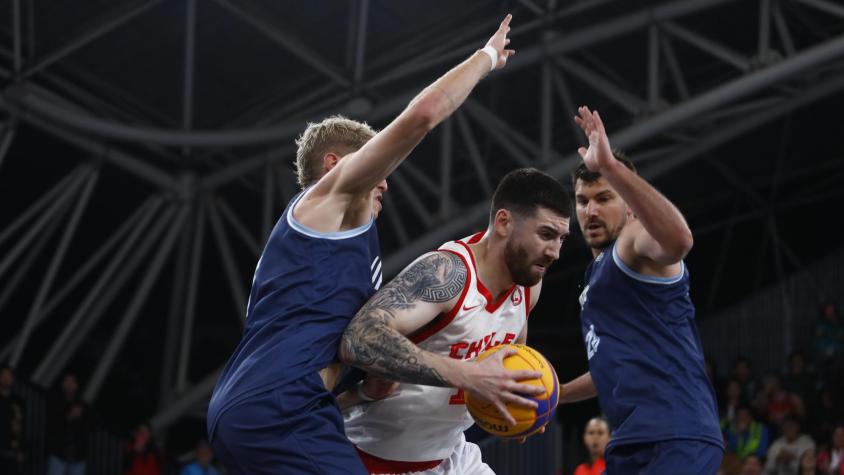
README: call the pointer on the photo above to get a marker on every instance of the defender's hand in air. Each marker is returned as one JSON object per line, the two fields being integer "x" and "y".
{"x": 599, "y": 153}
{"x": 499, "y": 41}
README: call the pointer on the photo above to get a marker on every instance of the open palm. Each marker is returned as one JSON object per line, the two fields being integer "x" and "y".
{"x": 599, "y": 152}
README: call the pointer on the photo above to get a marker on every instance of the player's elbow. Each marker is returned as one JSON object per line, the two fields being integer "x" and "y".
{"x": 346, "y": 352}
{"x": 681, "y": 245}
{"x": 686, "y": 241}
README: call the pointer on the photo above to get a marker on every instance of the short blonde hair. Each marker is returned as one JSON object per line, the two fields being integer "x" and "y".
{"x": 334, "y": 134}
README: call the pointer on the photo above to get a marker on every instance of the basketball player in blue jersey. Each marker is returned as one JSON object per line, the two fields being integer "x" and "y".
{"x": 270, "y": 412}
{"x": 645, "y": 358}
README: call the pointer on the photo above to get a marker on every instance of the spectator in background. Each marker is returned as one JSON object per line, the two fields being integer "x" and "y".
{"x": 784, "y": 454}
{"x": 752, "y": 465}
{"x": 829, "y": 341}
{"x": 775, "y": 403}
{"x": 831, "y": 461}
{"x": 746, "y": 436}
{"x": 202, "y": 463}
{"x": 733, "y": 399}
{"x": 809, "y": 463}
{"x": 743, "y": 373}
{"x": 596, "y": 436}
{"x": 798, "y": 379}
{"x": 11, "y": 425}
{"x": 141, "y": 455}
{"x": 825, "y": 412}
{"x": 68, "y": 427}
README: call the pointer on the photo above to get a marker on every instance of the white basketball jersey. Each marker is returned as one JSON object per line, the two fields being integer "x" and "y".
{"x": 425, "y": 423}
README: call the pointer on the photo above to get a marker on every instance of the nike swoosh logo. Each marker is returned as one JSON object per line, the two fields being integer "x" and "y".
{"x": 465, "y": 308}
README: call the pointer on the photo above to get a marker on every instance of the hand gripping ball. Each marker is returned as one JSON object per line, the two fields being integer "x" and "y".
{"x": 528, "y": 421}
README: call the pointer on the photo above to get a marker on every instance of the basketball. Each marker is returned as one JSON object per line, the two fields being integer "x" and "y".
{"x": 528, "y": 421}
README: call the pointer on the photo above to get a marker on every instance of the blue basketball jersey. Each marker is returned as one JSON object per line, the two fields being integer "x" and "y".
{"x": 645, "y": 355}
{"x": 307, "y": 287}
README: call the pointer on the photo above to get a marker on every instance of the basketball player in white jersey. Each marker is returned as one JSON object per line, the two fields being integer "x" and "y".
{"x": 440, "y": 313}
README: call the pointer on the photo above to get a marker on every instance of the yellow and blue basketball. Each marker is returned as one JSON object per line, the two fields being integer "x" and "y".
{"x": 528, "y": 421}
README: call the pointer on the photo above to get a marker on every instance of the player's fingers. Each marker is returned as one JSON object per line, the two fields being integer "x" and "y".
{"x": 519, "y": 401}
{"x": 582, "y": 152}
{"x": 509, "y": 52}
{"x": 529, "y": 389}
{"x": 502, "y": 409}
{"x": 599, "y": 124}
{"x": 522, "y": 374}
{"x": 506, "y": 21}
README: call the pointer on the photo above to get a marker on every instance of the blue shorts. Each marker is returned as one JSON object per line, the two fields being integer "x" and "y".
{"x": 273, "y": 433}
{"x": 677, "y": 457}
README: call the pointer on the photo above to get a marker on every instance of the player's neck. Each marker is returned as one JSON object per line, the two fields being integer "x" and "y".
{"x": 491, "y": 268}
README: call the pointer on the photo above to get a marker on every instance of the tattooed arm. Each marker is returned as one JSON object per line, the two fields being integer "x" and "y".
{"x": 375, "y": 339}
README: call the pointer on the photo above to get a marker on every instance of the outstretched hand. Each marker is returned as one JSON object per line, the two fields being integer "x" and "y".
{"x": 499, "y": 41}
{"x": 599, "y": 153}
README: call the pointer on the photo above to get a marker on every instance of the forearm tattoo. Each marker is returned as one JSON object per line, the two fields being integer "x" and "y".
{"x": 370, "y": 344}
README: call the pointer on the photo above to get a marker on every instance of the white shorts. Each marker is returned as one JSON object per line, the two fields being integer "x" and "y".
{"x": 465, "y": 459}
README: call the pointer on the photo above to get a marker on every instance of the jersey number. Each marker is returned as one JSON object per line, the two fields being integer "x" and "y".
{"x": 457, "y": 399}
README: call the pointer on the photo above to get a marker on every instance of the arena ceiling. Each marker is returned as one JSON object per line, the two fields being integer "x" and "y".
{"x": 146, "y": 150}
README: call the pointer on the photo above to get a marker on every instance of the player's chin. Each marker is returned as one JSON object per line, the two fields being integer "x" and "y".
{"x": 529, "y": 279}
{"x": 597, "y": 242}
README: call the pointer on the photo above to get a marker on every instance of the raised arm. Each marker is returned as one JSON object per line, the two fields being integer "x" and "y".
{"x": 375, "y": 339}
{"x": 362, "y": 170}
{"x": 661, "y": 233}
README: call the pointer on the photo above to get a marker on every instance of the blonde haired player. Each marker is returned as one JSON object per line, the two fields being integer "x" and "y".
{"x": 440, "y": 313}
{"x": 270, "y": 412}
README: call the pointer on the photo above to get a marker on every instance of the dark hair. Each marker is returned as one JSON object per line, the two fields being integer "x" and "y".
{"x": 584, "y": 174}
{"x": 523, "y": 190}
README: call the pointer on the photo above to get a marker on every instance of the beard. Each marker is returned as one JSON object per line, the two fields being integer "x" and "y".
{"x": 609, "y": 236}
{"x": 521, "y": 265}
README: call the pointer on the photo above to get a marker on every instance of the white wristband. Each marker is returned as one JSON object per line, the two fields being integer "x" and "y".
{"x": 493, "y": 56}
{"x": 362, "y": 394}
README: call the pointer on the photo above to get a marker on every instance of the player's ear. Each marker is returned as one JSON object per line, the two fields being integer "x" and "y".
{"x": 329, "y": 160}
{"x": 503, "y": 222}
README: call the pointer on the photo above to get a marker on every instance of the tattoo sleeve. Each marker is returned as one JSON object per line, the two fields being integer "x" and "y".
{"x": 370, "y": 343}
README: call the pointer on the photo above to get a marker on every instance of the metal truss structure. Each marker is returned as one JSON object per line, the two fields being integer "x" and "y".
{"x": 677, "y": 80}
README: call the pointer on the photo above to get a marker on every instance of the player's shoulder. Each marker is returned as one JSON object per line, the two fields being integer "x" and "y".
{"x": 438, "y": 264}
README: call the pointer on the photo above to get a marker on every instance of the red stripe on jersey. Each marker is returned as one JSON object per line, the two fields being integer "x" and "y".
{"x": 475, "y": 237}
{"x": 527, "y": 302}
{"x": 491, "y": 305}
{"x": 378, "y": 465}
{"x": 443, "y": 319}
